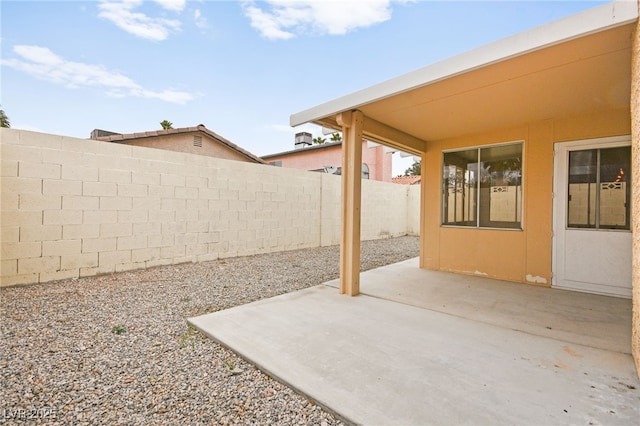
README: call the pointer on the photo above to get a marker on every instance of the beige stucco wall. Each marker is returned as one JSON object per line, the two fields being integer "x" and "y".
{"x": 520, "y": 256}
{"x": 184, "y": 143}
{"x": 74, "y": 207}
{"x": 635, "y": 137}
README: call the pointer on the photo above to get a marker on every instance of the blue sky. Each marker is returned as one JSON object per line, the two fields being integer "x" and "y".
{"x": 239, "y": 67}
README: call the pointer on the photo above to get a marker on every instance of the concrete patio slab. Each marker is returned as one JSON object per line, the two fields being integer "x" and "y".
{"x": 376, "y": 361}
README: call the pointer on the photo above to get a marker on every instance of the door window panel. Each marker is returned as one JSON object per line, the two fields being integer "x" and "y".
{"x": 599, "y": 190}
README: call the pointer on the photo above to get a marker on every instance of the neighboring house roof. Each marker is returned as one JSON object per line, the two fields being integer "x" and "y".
{"x": 123, "y": 138}
{"x": 317, "y": 147}
{"x": 407, "y": 180}
{"x": 559, "y": 69}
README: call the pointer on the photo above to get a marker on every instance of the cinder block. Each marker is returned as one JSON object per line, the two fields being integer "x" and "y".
{"x": 100, "y": 189}
{"x": 196, "y": 249}
{"x": 21, "y": 185}
{"x": 61, "y": 187}
{"x": 10, "y": 234}
{"x": 8, "y": 267}
{"x": 186, "y": 215}
{"x": 210, "y": 216}
{"x": 62, "y": 217}
{"x": 161, "y": 216}
{"x": 185, "y": 259}
{"x": 75, "y": 202}
{"x": 93, "y": 245}
{"x": 197, "y": 204}
{"x": 20, "y": 153}
{"x": 38, "y": 265}
{"x": 19, "y": 279}
{"x": 62, "y": 274}
{"x": 9, "y": 168}
{"x": 161, "y": 191}
{"x": 237, "y": 205}
{"x": 173, "y": 204}
{"x": 133, "y": 216}
{"x": 61, "y": 247}
{"x": 58, "y": 156}
{"x": 9, "y": 201}
{"x": 40, "y": 233}
{"x": 21, "y": 250}
{"x": 229, "y": 194}
{"x": 115, "y": 149}
{"x": 207, "y": 257}
{"x": 100, "y": 217}
{"x": 115, "y": 176}
{"x": 186, "y": 239}
{"x": 79, "y": 145}
{"x": 40, "y": 139}
{"x": 186, "y": 193}
{"x": 196, "y": 182}
{"x": 122, "y": 267}
{"x": 145, "y": 254}
{"x": 197, "y": 226}
{"x": 208, "y": 193}
{"x": 146, "y": 203}
{"x": 132, "y": 242}
{"x": 38, "y": 170}
{"x": 209, "y": 237}
{"x": 147, "y": 228}
{"x": 132, "y": 190}
{"x": 106, "y": 258}
{"x": 247, "y": 196}
{"x": 74, "y": 172}
{"x": 158, "y": 262}
{"x": 72, "y": 232}
{"x": 116, "y": 230}
{"x": 20, "y": 218}
{"x": 145, "y": 178}
{"x": 172, "y": 251}
{"x": 78, "y": 261}
{"x": 163, "y": 240}
{"x": 98, "y": 270}
{"x": 167, "y": 179}
{"x": 115, "y": 203}
{"x": 39, "y": 202}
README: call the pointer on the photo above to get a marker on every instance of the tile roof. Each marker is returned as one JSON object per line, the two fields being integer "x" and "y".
{"x": 121, "y": 138}
{"x": 407, "y": 180}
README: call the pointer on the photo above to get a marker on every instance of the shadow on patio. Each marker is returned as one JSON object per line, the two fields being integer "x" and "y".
{"x": 425, "y": 347}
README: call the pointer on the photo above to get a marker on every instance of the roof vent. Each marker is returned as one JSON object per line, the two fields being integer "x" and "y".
{"x": 303, "y": 140}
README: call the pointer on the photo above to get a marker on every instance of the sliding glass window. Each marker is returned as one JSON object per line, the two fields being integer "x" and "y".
{"x": 482, "y": 187}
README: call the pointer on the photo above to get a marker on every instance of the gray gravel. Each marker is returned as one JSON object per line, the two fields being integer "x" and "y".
{"x": 116, "y": 349}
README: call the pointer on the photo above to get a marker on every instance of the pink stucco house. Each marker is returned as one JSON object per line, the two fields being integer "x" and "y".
{"x": 327, "y": 158}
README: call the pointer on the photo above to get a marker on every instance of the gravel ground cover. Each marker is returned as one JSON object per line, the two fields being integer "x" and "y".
{"x": 116, "y": 349}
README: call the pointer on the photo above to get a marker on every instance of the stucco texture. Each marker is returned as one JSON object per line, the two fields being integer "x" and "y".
{"x": 635, "y": 134}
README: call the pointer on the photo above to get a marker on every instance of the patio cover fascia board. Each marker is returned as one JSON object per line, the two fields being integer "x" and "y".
{"x": 601, "y": 18}
{"x": 386, "y": 135}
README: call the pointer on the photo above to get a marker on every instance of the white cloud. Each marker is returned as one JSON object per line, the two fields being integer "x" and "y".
{"x": 201, "y": 21}
{"x": 285, "y": 19}
{"x": 173, "y": 5}
{"x": 122, "y": 15}
{"x": 42, "y": 63}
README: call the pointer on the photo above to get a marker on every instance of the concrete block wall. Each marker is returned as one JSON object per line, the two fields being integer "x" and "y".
{"x": 74, "y": 207}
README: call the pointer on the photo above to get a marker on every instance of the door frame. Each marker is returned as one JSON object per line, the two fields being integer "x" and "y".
{"x": 559, "y": 205}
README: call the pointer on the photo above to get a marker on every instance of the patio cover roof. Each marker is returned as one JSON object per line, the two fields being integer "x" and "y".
{"x": 577, "y": 65}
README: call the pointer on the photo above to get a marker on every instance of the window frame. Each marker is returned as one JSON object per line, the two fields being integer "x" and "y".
{"x": 477, "y": 225}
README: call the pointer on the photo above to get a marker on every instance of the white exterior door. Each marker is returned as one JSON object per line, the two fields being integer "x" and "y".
{"x": 592, "y": 216}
